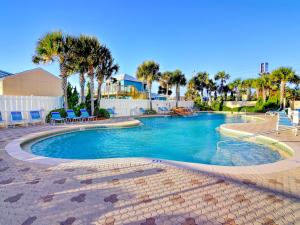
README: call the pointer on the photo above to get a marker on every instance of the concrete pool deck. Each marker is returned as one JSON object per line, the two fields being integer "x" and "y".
{"x": 144, "y": 192}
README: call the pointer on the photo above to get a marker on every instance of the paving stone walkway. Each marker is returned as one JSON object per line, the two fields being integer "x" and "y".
{"x": 142, "y": 194}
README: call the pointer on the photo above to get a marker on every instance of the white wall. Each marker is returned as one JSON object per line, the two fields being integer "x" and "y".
{"x": 129, "y": 107}
{"x": 27, "y": 103}
{"x": 234, "y": 104}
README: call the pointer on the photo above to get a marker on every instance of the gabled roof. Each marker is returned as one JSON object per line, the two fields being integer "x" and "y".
{"x": 4, "y": 74}
{"x": 127, "y": 77}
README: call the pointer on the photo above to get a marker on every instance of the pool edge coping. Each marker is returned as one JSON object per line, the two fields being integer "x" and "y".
{"x": 15, "y": 150}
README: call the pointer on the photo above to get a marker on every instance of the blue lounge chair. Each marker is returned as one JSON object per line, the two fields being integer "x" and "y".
{"x": 17, "y": 118}
{"x": 166, "y": 109}
{"x": 35, "y": 116}
{"x": 85, "y": 115}
{"x": 55, "y": 117}
{"x": 284, "y": 121}
{"x": 111, "y": 112}
{"x": 71, "y": 116}
{"x": 2, "y": 122}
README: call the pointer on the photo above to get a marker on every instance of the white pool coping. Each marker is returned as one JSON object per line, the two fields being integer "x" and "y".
{"x": 14, "y": 149}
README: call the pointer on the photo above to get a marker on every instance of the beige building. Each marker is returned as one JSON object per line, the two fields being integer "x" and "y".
{"x": 36, "y": 82}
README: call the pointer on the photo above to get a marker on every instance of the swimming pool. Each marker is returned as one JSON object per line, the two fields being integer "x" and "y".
{"x": 188, "y": 139}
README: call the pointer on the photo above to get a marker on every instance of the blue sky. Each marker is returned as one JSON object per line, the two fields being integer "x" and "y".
{"x": 191, "y": 35}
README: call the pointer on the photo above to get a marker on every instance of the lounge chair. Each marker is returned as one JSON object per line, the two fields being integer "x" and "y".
{"x": 17, "y": 118}
{"x": 2, "y": 122}
{"x": 56, "y": 117}
{"x": 166, "y": 109}
{"x": 84, "y": 115}
{"x": 71, "y": 116}
{"x": 111, "y": 112}
{"x": 272, "y": 112}
{"x": 284, "y": 121}
{"x": 35, "y": 117}
{"x": 161, "y": 110}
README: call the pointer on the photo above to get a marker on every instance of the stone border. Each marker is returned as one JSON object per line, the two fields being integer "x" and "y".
{"x": 15, "y": 150}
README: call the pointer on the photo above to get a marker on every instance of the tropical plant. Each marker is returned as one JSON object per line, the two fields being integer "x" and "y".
{"x": 223, "y": 77}
{"x": 101, "y": 113}
{"x": 237, "y": 83}
{"x": 247, "y": 85}
{"x": 56, "y": 46}
{"x": 165, "y": 82}
{"x": 178, "y": 79}
{"x": 91, "y": 53}
{"x": 148, "y": 72}
{"x": 201, "y": 81}
{"x": 283, "y": 75}
{"x": 105, "y": 69}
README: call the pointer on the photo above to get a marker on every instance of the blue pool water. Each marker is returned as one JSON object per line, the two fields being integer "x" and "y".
{"x": 189, "y": 139}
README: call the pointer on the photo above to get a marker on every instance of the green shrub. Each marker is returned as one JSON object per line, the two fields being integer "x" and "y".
{"x": 62, "y": 112}
{"x": 217, "y": 105}
{"x": 201, "y": 105}
{"x": 103, "y": 113}
{"x": 150, "y": 112}
{"x": 78, "y": 107}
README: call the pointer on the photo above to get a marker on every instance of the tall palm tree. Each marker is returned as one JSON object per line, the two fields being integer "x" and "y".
{"x": 283, "y": 75}
{"x": 105, "y": 69}
{"x": 247, "y": 85}
{"x": 237, "y": 88}
{"x": 55, "y": 46}
{"x": 148, "y": 72}
{"x": 165, "y": 81}
{"x": 223, "y": 77}
{"x": 210, "y": 87}
{"x": 91, "y": 53}
{"x": 178, "y": 79}
{"x": 201, "y": 80}
{"x": 258, "y": 84}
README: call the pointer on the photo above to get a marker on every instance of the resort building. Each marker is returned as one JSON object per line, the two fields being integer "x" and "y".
{"x": 36, "y": 82}
{"x": 124, "y": 86}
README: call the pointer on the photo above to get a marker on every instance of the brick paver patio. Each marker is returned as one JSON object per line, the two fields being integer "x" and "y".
{"x": 146, "y": 194}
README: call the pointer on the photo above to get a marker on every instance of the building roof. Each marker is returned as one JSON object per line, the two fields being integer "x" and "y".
{"x": 4, "y": 74}
{"x": 127, "y": 77}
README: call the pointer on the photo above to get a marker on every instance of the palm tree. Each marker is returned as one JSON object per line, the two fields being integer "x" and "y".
{"x": 165, "y": 81}
{"x": 283, "y": 75}
{"x": 53, "y": 47}
{"x": 237, "y": 88}
{"x": 223, "y": 77}
{"x": 148, "y": 72}
{"x": 258, "y": 84}
{"x": 247, "y": 84}
{"x": 178, "y": 79}
{"x": 210, "y": 87}
{"x": 91, "y": 53}
{"x": 201, "y": 80}
{"x": 105, "y": 69}
{"x": 192, "y": 92}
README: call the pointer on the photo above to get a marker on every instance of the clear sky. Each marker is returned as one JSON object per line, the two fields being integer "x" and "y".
{"x": 191, "y": 35}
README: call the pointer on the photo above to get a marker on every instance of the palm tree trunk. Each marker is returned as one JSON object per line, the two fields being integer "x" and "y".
{"x": 248, "y": 94}
{"x": 82, "y": 85}
{"x": 167, "y": 92}
{"x": 91, "y": 76}
{"x": 263, "y": 94}
{"x": 149, "y": 96}
{"x": 282, "y": 94}
{"x": 257, "y": 93}
{"x": 99, "y": 93}
{"x": 177, "y": 94}
{"x": 64, "y": 84}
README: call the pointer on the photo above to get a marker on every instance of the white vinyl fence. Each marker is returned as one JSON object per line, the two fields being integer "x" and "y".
{"x": 130, "y": 107}
{"x": 44, "y": 104}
